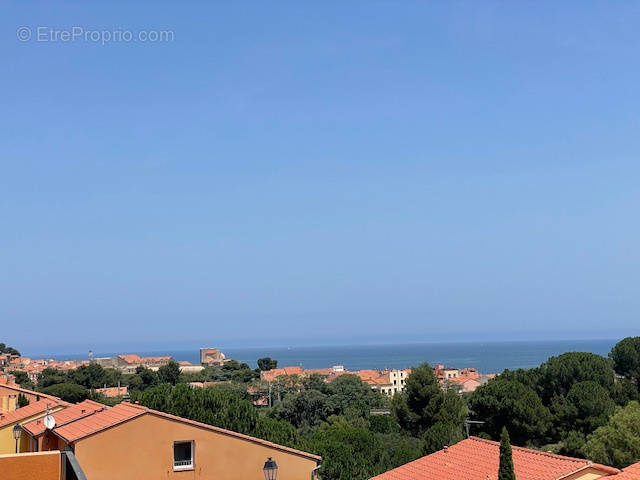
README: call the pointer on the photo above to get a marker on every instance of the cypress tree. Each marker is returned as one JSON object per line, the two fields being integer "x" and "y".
{"x": 506, "y": 471}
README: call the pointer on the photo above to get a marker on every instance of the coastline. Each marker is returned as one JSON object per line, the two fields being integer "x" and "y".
{"x": 485, "y": 356}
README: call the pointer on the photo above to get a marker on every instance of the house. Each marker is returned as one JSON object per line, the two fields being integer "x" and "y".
{"x": 212, "y": 357}
{"x": 10, "y": 391}
{"x": 479, "y": 459}
{"x": 41, "y": 438}
{"x": 20, "y": 416}
{"x": 130, "y": 441}
{"x": 112, "y": 392}
{"x": 271, "y": 375}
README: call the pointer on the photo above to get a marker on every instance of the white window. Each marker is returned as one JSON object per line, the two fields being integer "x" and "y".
{"x": 182, "y": 455}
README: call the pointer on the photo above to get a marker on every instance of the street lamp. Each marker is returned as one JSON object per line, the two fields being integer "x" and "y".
{"x": 17, "y": 433}
{"x": 270, "y": 469}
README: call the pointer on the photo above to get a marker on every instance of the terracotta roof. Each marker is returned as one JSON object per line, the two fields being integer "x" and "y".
{"x": 34, "y": 408}
{"x": 111, "y": 392}
{"x": 99, "y": 421}
{"x": 19, "y": 389}
{"x": 632, "y": 472}
{"x": 67, "y": 415}
{"x": 478, "y": 459}
{"x": 80, "y": 429}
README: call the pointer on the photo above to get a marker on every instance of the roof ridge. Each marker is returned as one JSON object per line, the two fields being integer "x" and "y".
{"x": 234, "y": 434}
{"x": 536, "y": 452}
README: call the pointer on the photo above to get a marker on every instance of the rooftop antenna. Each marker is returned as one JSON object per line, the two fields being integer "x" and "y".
{"x": 468, "y": 422}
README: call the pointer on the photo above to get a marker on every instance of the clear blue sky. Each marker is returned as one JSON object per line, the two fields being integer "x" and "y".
{"x": 320, "y": 172}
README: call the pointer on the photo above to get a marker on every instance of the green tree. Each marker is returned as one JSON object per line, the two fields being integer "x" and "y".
{"x": 618, "y": 442}
{"x": 9, "y": 350}
{"x": 558, "y": 374}
{"x": 587, "y": 407}
{"x": 626, "y": 358}
{"x": 350, "y": 393}
{"x": 267, "y": 363}
{"x": 506, "y": 471}
{"x": 308, "y": 407}
{"x": 22, "y": 379}
{"x": 507, "y": 403}
{"x": 22, "y": 401}
{"x": 440, "y": 435}
{"x": 416, "y": 407}
{"x": 349, "y": 452}
{"x": 169, "y": 373}
{"x": 50, "y": 376}
{"x": 69, "y": 392}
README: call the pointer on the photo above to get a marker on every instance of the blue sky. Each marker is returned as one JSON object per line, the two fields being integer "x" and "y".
{"x": 330, "y": 172}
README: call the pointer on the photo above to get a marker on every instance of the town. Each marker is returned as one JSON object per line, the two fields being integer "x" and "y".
{"x": 66, "y": 420}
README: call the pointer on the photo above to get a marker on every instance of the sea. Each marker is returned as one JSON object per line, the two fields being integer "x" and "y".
{"x": 487, "y": 357}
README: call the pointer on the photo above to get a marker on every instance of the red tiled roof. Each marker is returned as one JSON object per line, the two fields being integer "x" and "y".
{"x": 123, "y": 412}
{"x": 478, "y": 459}
{"x": 30, "y": 410}
{"x": 99, "y": 421}
{"x": 632, "y": 472}
{"x": 111, "y": 392}
{"x": 62, "y": 417}
{"x": 19, "y": 389}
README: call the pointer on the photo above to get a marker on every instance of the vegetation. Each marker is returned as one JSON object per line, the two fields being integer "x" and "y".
{"x": 506, "y": 470}
{"x": 22, "y": 401}
{"x": 22, "y": 379}
{"x": 10, "y": 350}
{"x": 578, "y": 404}
{"x": 267, "y": 363}
{"x": 618, "y": 442}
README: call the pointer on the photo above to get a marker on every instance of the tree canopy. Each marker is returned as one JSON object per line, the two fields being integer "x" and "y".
{"x": 618, "y": 442}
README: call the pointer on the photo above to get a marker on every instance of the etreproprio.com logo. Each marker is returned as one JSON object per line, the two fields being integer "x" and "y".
{"x": 47, "y": 34}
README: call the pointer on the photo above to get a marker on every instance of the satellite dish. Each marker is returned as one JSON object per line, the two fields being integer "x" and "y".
{"x": 49, "y": 422}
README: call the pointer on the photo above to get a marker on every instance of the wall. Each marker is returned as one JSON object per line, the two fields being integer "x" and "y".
{"x": 8, "y": 444}
{"x": 31, "y": 466}
{"x": 142, "y": 448}
{"x": 9, "y": 396}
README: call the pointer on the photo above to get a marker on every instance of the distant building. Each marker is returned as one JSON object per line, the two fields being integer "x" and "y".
{"x": 113, "y": 392}
{"x": 130, "y": 362}
{"x": 212, "y": 357}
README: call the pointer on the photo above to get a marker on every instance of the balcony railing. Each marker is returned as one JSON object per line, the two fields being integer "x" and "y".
{"x": 178, "y": 464}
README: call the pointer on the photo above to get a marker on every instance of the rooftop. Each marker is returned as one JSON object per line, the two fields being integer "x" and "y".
{"x": 64, "y": 416}
{"x": 107, "y": 418}
{"x": 124, "y": 412}
{"x": 632, "y": 472}
{"x": 478, "y": 459}
{"x": 34, "y": 408}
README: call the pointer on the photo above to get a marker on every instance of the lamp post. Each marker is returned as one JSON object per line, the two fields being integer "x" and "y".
{"x": 17, "y": 433}
{"x": 270, "y": 469}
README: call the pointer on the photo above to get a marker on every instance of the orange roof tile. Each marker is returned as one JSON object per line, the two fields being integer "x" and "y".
{"x": 111, "y": 392}
{"x": 30, "y": 410}
{"x": 632, "y": 472}
{"x": 478, "y": 459}
{"x": 130, "y": 358}
{"x": 99, "y": 421}
{"x": 16, "y": 388}
{"x": 64, "y": 416}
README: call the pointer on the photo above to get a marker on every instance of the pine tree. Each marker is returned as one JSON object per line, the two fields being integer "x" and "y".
{"x": 506, "y": 471}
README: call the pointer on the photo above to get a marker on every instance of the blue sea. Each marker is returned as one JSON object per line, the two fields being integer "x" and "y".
{"x": 487, "y": 357}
